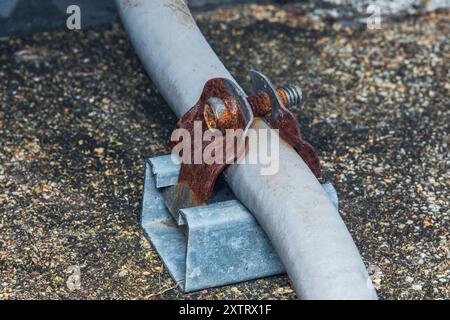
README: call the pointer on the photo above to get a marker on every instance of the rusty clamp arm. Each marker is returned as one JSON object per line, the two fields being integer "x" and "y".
{"x": 305, "y": 228}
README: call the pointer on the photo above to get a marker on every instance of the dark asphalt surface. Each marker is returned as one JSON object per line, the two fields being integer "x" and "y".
{"x": 78, "y": 116}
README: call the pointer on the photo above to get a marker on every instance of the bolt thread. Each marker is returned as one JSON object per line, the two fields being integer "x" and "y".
{"x": 293, "y": 95}
{"x": 290, "y": 96}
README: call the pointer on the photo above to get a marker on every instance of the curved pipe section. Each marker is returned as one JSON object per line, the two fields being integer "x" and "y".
{"x": 307, "y": 231}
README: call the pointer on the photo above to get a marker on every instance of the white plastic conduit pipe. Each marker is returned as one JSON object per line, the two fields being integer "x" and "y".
{"x": 305, "y": 228}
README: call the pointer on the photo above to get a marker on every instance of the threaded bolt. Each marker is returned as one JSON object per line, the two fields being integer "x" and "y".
{"x": 293, "y": 95}
{"x": 217, "y": 116}
{"x": 290, "y": 96}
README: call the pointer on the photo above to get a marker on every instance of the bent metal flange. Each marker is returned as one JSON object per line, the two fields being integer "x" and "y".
{"x": 223, "y": 105}
{"x": 284, "y": 120}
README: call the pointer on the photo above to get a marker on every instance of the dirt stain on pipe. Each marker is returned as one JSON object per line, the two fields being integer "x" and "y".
{"x": 181, "y": 11}
{"x": 131, "y": 3}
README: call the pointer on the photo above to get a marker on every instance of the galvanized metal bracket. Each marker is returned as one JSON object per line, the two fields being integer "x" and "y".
{"x": 206, "y": 246}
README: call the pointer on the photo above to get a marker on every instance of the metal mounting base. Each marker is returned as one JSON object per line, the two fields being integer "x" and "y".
{"x": 206, "y": 246}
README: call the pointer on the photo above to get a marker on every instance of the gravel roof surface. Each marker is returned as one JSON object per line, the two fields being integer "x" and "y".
{"x": 78, "y": 116}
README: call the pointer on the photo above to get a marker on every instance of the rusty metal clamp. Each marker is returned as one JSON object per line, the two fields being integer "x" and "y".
{"x": 223, "y": 106}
